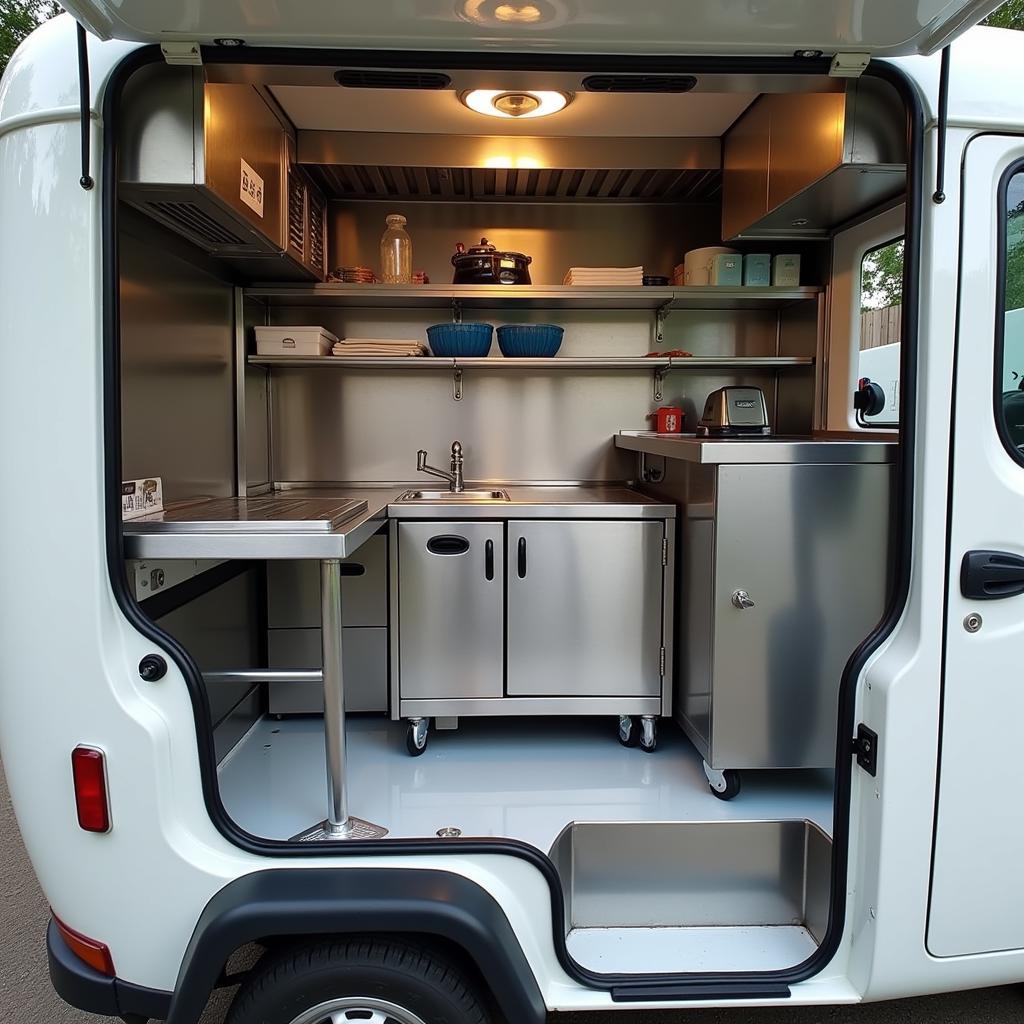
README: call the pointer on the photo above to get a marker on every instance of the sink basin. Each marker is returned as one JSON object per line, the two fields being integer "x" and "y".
{"x": 467, "y": 495}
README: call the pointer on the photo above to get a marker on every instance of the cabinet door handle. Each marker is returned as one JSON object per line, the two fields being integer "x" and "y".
{"x": 489, "y": 560}
{"x": 447, "y": 544}
{"x": 352, "y": 569}
{"x": 522, "y": 558}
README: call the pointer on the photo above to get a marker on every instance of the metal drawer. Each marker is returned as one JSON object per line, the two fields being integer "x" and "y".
{"x": 293, "y": 590}
{"x": 364, "y": 664}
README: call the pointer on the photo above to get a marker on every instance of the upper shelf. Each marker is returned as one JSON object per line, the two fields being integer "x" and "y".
{"x": 469, "y": 296}
{"x": 725, "y": 363}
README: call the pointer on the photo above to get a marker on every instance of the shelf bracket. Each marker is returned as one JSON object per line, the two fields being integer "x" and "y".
{"x": 659, "y": 320}
{"x": 659, "y": 382}
{"x": 457, "y": 383}
{"x": 456, "y": 311}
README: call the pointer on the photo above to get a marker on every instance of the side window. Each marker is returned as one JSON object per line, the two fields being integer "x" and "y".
{"x": 1010, "y": 314}
{"x": 881, "y": 314}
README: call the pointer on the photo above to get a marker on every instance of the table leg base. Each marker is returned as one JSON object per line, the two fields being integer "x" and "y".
{"x": 354, "y": 828}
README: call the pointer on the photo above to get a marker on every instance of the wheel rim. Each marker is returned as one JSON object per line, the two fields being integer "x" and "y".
{"x": 357, "y": 1010}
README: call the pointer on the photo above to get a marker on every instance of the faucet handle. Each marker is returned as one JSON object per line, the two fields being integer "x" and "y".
{"x": 456, "y": 449}
{"x": 421, "y": 459}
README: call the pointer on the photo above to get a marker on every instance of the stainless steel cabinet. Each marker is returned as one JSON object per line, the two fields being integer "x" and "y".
{"x": 784, "y": 573}
{"x": 451, "y": 582}
{"x": 584, "y": 608}
{"x": 364, "y": 666}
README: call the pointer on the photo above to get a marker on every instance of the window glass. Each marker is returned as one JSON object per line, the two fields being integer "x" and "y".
{"x": 1011, "y": 407}
{"x": 881, "y": 316}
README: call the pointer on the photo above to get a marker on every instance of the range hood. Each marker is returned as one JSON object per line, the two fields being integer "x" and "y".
{"x": 378, "y": 165}
{"x": 214, "y": 163}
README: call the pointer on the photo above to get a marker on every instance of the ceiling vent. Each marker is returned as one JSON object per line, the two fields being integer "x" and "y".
{"x": 639, "y": 83}
{"x": 365, "y": 78}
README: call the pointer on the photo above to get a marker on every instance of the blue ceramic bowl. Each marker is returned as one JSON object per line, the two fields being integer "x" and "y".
{"x": 464, "y": 341}
{"x": 530, "y": 340}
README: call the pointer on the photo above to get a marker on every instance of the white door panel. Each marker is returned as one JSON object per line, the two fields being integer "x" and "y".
{"x": 977, "y": 902}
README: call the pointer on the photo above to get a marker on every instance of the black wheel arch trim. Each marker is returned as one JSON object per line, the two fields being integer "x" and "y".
{"x": 310, "y": 902}
{"x": 738, "y": 984}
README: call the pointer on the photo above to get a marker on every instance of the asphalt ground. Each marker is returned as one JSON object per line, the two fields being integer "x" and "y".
{"x": 27, "y": 998}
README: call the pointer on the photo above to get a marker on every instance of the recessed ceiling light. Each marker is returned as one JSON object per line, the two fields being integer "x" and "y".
{"x": 515, "y": 103}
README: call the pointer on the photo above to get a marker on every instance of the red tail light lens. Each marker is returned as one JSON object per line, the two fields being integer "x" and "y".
{"x": 94, "y": 953}
{"x": 89, "y": 770}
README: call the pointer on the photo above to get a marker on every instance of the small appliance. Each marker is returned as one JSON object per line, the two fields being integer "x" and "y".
{"x": 735, "y": 412}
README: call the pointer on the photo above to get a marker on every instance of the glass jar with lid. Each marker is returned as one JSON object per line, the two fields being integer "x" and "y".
{"x": 396, "y": 252}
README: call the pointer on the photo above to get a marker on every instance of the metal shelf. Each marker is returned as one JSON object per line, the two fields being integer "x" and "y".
{"x": 427, "y": 363}
{"x": 383, "y": 296}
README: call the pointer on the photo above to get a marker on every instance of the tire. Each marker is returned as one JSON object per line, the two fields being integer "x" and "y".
{"x": 634, "y": 733}
{"x": 369, "y": 981}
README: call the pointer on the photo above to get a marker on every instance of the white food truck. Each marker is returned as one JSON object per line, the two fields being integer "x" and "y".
{"x": 694, "y": 679}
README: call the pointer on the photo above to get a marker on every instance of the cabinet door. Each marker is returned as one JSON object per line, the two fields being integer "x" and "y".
{"x": 745, "y": 169}
{"x": 451, "y": 580}
{"x": 584, "y": 609}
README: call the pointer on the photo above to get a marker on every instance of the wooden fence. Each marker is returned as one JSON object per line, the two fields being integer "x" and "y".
{"x": 880, "y": 326}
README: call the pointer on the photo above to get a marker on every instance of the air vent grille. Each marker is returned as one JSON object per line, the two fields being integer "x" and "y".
{"x": 558, "y": 185}
{"x": 316, "y": 257}
{"x": 364, "y": 78}
{"x": 296, "y": 213}
{"x": 639, "y": 83}
{"x": 195, "y": 223}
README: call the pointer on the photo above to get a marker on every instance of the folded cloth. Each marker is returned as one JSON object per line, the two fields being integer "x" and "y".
{"x": 378, "y": 347}
{"x": 604, "y": 275}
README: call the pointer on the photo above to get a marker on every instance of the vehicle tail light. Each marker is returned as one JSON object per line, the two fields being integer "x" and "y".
{"x": 94, "y": 953}
{"x": 89, "y": 770}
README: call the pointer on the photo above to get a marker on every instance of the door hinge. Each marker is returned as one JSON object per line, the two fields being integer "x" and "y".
{"x": 661, "y": 663}
{"x": 664, "y": 551}
{"x": 181, "y": 53}
{"x": 849, "y": 65}
{"x": 865, "y": 749}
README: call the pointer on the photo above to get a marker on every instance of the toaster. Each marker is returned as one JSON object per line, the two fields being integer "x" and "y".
{"x": 734, "y": 412}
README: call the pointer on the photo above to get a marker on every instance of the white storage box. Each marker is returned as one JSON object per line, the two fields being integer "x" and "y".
{"x": 294, "y": 341}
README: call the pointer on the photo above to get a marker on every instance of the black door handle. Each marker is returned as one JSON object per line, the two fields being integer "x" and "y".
{"x": 987, "y": 575}
{"x": 522, "y": 558}
{"x": 447, "y": 544}
{"x": 489, "y": 560}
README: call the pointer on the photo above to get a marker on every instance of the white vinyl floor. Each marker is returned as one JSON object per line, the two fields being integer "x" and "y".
{"x": 514, "y": 778}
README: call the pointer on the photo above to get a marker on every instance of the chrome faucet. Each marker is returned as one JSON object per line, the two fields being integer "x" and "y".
{"x": 454, "y": 478}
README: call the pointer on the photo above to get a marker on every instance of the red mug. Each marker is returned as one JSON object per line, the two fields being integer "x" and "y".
{"x": 669, "y": 419}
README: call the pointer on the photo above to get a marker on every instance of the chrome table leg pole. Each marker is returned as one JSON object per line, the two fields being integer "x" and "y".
{"x": 338, "y": 823}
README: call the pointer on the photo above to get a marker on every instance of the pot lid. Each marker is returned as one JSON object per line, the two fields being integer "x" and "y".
{"x": 882, "y": 28}
{"x": 486, "y": 248}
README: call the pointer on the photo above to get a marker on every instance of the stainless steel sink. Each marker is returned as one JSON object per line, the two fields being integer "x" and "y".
{"x": 452, "y": 496}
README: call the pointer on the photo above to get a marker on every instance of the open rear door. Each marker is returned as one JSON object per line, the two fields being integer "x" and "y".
{"x": 881, "y": 28}
{"x": 977, "y": 902}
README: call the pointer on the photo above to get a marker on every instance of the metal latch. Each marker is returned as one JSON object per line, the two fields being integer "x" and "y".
{"x": 181, "y": 53}
{"x": 849, "y": 65}
{"x": 865, "y": 749}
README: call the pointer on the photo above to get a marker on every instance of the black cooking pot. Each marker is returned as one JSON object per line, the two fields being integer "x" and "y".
{"x": 483, "y": 264}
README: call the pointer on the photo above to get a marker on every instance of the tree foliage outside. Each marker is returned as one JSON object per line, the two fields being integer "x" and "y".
{"x": 17, "y": 19}
{"x": 881, "y": 277}
{"x": 1010, "y": 15}
{"x": 1015, "y": 257}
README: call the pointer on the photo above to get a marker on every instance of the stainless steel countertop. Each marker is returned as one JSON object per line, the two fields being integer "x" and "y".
{"x": 767, "y": 450}
{"x": 382, "y": 503}
{"x": 542, "y": 503}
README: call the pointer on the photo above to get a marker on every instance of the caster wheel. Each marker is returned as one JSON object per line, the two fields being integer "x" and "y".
{"x": 629, "y": 734}
{"x": 416, "y": 737}
{"x": 724, "y": 784}
{"x": 648, "y": 734}
{"x": 358, "y": 981}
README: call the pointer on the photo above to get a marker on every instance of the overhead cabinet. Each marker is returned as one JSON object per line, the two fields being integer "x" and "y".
{"x": 799, "y": 164}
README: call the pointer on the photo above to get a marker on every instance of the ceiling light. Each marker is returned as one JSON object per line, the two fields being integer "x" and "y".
{"x": 515, "y": 103}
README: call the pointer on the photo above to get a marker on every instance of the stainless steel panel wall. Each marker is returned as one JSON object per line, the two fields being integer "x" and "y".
{"x": 584, "y": 619}
{"x": 257, "y": 408}
{"x": 177, "y": 404}
{"x": 366, "y": 425}
{"x": 556, "y": 235}
{"x": 220, "y": 630}
{"x": 689, "y": 874}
